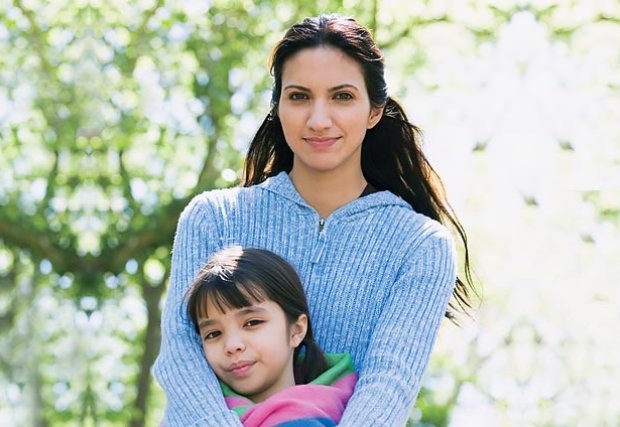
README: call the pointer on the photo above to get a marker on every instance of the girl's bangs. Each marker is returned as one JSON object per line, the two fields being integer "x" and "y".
{"x": 226, "y": 295}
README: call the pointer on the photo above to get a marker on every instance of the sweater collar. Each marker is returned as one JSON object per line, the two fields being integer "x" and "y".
{"x": 282, "y": 185}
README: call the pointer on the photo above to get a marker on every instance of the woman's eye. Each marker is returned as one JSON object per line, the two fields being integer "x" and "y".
{"x": 343, "y": 96}
{"x": 253, "y": 322}
{"x": 297, "y": 96}
{"x": 211, "y": 335}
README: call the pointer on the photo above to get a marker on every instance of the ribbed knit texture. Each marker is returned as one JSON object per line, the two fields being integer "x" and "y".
{"x": 378, "y": 277}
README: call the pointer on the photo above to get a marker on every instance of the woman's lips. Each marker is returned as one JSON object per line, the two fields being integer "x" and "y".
{"x": 322, "y": 142}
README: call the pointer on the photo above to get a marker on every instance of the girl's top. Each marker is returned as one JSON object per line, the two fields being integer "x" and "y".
{"x": 318, "y": 403}
{"x": 378, "y": 277}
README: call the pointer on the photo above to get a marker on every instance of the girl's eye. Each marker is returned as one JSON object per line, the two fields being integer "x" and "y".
{"x": 297, "y": 96}
{"x": 343, "y": 96}
{"x": 253, "y": 322}
{"x": 211, "y": 335}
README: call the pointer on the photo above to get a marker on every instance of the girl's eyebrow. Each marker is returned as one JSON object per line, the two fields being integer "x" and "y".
{"x": 250, "y": 310}
{"x": 205, "y": 323}
{"x": 333, "y": 89}
{"x": 240, "y": 313}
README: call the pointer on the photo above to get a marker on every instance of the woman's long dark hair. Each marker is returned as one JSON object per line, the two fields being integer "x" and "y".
{"x": 392, "y": 157}
{"x": 238, "y": 277}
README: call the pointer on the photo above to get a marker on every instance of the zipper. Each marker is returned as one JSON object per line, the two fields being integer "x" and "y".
{"x": 320, "y": 244}
{"x": 321, "y": 224}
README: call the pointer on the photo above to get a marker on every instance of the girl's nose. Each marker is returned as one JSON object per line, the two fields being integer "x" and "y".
{"x": 320, "y": 118}
{"x": 234, "y": 343}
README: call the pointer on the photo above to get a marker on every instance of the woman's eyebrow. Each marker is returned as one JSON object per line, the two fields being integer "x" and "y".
{"x": 333, "y": 89}
{"x": 344, "y": 86}
{"x": 305, "y": 89}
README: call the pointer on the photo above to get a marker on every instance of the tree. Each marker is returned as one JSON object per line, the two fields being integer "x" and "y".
{"x": 113, "y": 115}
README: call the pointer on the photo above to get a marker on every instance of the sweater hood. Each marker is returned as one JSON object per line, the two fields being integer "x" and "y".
{"x": 282, "y": 185}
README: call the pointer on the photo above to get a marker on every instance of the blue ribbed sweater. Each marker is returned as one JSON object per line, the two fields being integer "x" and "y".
{"x": 378, "y": 277}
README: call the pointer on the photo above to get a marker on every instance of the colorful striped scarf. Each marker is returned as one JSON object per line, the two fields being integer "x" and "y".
{"x": 319, "y": 403}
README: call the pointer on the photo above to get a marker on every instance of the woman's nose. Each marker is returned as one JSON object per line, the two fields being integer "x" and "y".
{"x": 320, "y": 117}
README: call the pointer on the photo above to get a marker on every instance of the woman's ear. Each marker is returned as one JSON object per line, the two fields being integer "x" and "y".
{"x": 374, "y": 117}
{"x": 299, "y": 330}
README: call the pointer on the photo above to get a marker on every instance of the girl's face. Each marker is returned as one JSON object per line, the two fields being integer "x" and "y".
{"x": 251, "y": 348}
{"x": 325, "y": 111}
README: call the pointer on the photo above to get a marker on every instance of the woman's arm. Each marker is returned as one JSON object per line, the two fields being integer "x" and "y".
{"x": 194, "y": 397}
{"x": 401, "y": 343}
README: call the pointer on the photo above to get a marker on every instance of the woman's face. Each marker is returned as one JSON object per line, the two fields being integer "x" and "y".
{"x": 325, "y": 111}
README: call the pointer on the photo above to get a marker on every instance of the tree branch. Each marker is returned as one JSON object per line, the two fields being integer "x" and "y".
{"x": 51, "y": 186}
{"x": 138, "y": 243}
{"x": 405, "y": 32}
{"x": 126, "y": 181}
{"x": 37, "y": 36}
{"x": 206, "y": 175}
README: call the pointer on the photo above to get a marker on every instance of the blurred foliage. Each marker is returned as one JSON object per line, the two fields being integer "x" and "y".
{"x": 113, "y": 114}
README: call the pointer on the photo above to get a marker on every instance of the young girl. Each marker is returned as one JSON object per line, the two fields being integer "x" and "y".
{"x": 249, "y": 308}
{"x": 336, "y": 183}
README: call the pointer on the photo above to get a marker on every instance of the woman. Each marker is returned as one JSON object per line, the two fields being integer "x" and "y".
{"x": 335, "y": 182}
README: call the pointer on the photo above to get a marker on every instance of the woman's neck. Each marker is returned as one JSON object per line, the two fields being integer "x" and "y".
{"x": 326, "y": 191}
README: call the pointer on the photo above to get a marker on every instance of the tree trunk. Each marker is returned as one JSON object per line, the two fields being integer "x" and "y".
{"x": 152, "y": 336}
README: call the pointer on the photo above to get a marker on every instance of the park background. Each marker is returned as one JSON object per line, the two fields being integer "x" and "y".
{"x": 114, "y": 113}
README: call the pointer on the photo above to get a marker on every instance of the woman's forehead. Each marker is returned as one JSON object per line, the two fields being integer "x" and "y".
{"x": 321, "y": 66}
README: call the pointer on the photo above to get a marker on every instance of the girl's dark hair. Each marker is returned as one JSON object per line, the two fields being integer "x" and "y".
{"x": 238, "y": 277}
{"x": 392, "y": 157}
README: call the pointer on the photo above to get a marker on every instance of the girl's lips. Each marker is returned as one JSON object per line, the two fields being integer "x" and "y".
{"x": 240, "y": 369}
{"x": 322, "y": 142}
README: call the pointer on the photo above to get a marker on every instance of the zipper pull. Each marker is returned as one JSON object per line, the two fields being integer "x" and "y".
{"x": 320, "y": 242}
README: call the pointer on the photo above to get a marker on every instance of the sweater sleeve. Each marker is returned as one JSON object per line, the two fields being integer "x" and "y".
{"x": 194, "y": 396}
{"x": 400, "y": 346}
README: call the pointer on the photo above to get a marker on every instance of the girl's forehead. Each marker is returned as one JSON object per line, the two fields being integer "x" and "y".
{"x": 217, "y": 305}
{"x": 225, "y": 296}
{"x": 227, "y": 313}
